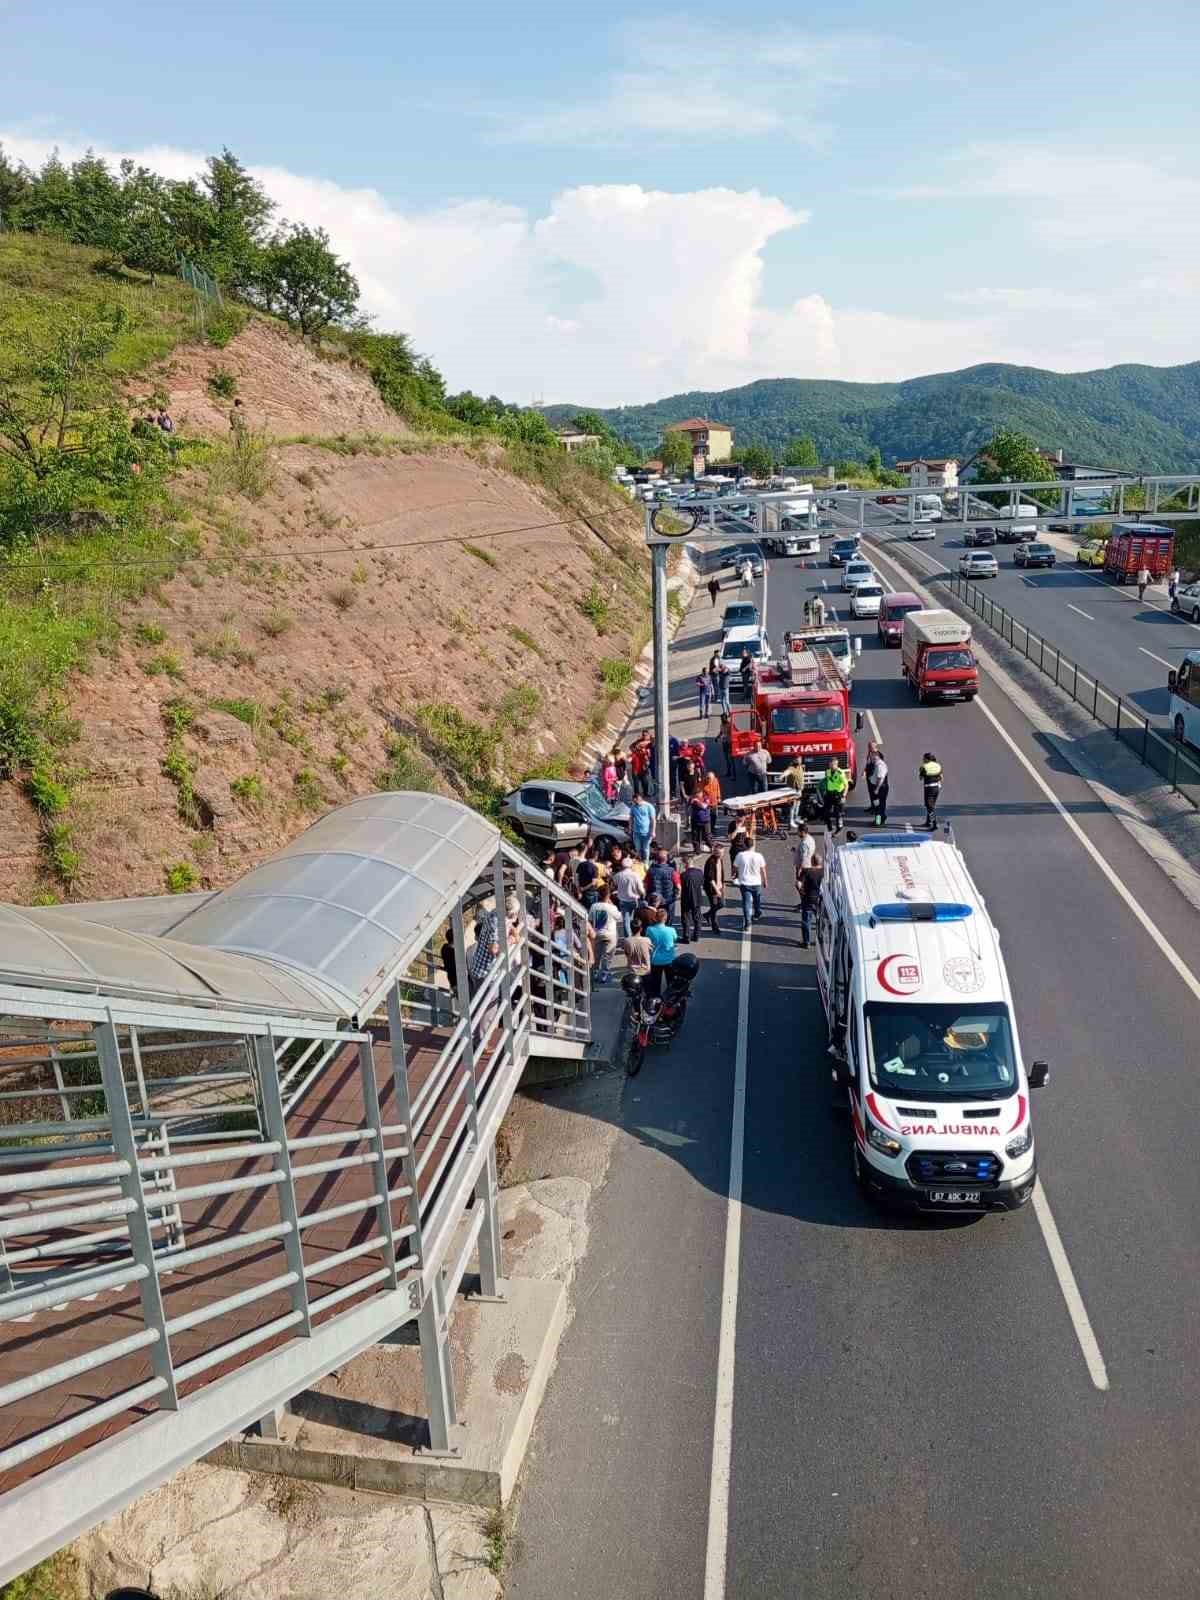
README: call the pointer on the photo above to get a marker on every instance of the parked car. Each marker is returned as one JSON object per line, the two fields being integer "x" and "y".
{"x": 856, "y": 572}
{"x": 978, "y": 564}
{"x": 923, "y": 530}
{"x": 866, "y": 599}
{"x": 985, "y": 534}
{"x": 1091, "y": 554}
{"x": 739, "y": 615}
{"x": 1187, "y": 601}
{"x": 842, "y": 550}
{"x": 1034, "y": 554}
{"x": 561, "y": 813}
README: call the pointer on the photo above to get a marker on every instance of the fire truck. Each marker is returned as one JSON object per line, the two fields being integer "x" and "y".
{"x": 800, "y": 710}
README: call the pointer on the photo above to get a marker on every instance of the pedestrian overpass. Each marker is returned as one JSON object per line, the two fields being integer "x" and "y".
{"x": 246, "y": 1135}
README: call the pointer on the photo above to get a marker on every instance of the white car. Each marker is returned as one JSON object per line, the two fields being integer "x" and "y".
{"x": 923, "y": 530}
{"x": 856, "y": 572}
{"x": 866, "y": 600}
{"x": 978, "y": 564}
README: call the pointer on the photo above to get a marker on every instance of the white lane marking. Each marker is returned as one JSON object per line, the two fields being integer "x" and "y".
{"x": 875, "y": 733}
{"x": 1076, "y": 1309}
{"x": 1168, "y": 664}
{"x": 1079, "y": 613}
{"x": 717, "y": 1554}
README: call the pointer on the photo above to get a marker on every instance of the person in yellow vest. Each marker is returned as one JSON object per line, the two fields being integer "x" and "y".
{"x": 930, "y": 774}
{"x": 836, "y": 786}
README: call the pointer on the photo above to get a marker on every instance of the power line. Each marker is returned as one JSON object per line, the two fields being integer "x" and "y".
{"x": 336, "y": 550}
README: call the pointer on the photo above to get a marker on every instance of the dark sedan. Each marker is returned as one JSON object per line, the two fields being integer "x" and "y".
{"x": 1034, "y": 555}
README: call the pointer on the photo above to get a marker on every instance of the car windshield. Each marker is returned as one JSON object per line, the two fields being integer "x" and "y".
{"x": 857, "y": 569}
{"x": 594, "y": 803}
{"x": 949, "y": 660}
{"x": 980, "y": 561}
{"x": 734, "y": 647}
{"x": 838, "y": 647}
{"x": 941, "y": 1052}
{"x": 807, "y": 719}
{"x": 870, "y": 591}
{"x": 1039, "y": 549}
{"x": 843, "y": 545}
{"x": 894, "y": 610}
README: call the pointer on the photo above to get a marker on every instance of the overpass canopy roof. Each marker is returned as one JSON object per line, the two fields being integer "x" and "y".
{"x": 319, "y": 929}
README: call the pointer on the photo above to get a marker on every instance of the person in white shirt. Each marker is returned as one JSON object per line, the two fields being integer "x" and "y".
{"x": 803, "y": 852}
{"x": 605, "y": 922}
{"x": 750, "y": 875}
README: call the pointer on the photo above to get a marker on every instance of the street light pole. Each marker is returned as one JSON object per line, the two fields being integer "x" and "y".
{"x": 662, "y": 724}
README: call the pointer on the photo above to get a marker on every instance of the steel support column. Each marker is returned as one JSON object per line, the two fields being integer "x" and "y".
{"x": 662, "y": 725}
{"x": 404, "y": 1107}
{"x": 141, "y": 1240}
{"x": 433, "y": 1325}
{"x": 370, "y": 1088}
{"x": 462, "y": 979}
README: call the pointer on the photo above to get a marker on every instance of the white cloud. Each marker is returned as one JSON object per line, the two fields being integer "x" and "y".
{"x": 679, "y": 79}
{"x": 1072, "y": 197}
{"x": 669, "y": 294}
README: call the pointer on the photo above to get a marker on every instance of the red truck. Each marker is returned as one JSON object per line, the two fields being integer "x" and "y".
{"x": 1134, "y": 545}
{"x": 936, "y": 659}
{"x": 800, "y": 709}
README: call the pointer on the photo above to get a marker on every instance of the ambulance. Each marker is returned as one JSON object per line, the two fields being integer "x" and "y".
{"x": 922, "y": 1031}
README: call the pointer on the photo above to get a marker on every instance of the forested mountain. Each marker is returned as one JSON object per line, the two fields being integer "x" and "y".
{"x": 1142, "y": 418}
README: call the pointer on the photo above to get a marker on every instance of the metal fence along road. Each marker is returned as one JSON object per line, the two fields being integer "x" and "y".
{"x": 1162, "y": 753}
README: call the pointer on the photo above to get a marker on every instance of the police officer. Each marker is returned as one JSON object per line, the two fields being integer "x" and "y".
{"x": 930, "y": 774}
{"x": 837, "y": 782}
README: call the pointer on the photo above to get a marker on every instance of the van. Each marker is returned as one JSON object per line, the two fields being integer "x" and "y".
{"x": 923, "y": 1030}
{"x": 936, "y": 659}
{"x": 736, "y": 641}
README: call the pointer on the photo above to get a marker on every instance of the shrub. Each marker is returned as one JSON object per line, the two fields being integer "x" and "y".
{"x": 47, "y": 795}
{"x": 617, "y": 675}
{"x": 339, "y": 765}
{"x": 525, "y": 639}
{"x": 406, "y": 767}
{"x": 464, "y": 746}
{"x": 223, "y": 324}
{"x": 165, "y": 664}
{"x": 178, "y": 714}
{"x": 247, "y": 711}
{"x": 222, "y": 383}
{"x": 225, "y": 646}
{"x": 276, "y": 622}
{"x": 343, "y": 596}
{"x": 181, "y": 877}
{"x": 149, "y": 633}
{"x": 308, "y": 789}
{"x": 518, "y": 706}
{"x": 248, "y": 787}
{"x": 485, "y": 556}
{"x": 58, "y": 846}
{"x": 595, "y": 608}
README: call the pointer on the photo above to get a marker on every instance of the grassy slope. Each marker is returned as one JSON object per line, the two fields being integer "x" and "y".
{"x": 93, "y": 597}
{"x": 1133, "y": 416}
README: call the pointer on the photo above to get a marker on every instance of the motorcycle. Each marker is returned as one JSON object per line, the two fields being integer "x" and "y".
{"x": 656, "y": 1019}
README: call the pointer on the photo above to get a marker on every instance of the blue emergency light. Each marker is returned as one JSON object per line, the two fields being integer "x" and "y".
{"x": 920, "y": 911}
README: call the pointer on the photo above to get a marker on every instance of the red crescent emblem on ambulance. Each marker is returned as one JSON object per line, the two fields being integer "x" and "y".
{"x": 873, "y": 1107}
{"x": 898, "y": 974}
{"x": 1021, "y": 1105}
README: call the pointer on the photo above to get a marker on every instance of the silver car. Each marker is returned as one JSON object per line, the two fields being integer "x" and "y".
{"x": 560, "y": 813}
{"x": 978, "y": 564}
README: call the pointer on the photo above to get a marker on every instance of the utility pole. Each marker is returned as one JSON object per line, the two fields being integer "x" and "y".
{"x": 662, "y": 726}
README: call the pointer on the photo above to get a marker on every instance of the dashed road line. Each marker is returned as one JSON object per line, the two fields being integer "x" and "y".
{"x": 1084, "y": 614}
{"x": 1168, "y": 664}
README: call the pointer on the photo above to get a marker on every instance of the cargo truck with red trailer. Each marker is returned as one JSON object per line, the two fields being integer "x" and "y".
{"x": 936, "y": 659}
{"x": 1134, "y": 545}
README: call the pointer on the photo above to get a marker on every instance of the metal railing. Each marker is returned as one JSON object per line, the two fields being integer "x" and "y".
{"x": 1162, "y": 753}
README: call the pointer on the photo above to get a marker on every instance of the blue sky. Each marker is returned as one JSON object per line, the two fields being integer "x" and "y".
{"x": 610, "y": 208}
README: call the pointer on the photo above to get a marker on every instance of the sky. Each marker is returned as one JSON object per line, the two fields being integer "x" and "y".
{"x": 607, "y": 208}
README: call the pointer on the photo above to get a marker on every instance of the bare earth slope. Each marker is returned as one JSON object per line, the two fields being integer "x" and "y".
{"x": 360, "y": 597}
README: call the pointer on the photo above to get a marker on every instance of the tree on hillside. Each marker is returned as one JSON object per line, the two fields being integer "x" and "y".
{"x": 526, "y": 427}
{"x": 49, "y": 204}
{"x": 471, "y": 409}
{"x": 240, "y": 211}
{"x": 591, "y": 422}
{"x": 15, "y": 183}
{"x": 801, "y": 452}
{"x": 1013, "y": 457}
{"x": 148, "y": 243}
{"x": 300, "y": 276}
{"x": 758, "y": 460}
{"x": 874, "y": 461}
{"x": 675, "y": 453}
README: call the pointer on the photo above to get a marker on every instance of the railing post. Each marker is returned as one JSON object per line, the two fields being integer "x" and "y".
{"x": 1146, "y": 743}
{"x": 289, "y": 1210}
{"x": 501, "y": 894}
{"x": 462, "y": 980}
{"x": 370, "y": 1091}
{"x": 141, "y": 1240}
{"x": 549, "y": 1020}
{"x": 399, "y": 1056}
{"x": 1075, "y": 685}
{"x": 1041, "y": 654}
{"x": 487, "y": 1195}
{"x": 1095, "y": 699}
{"x": 1117, "y": 729}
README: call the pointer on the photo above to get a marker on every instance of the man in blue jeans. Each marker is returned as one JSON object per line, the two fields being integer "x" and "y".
{"x": 660, "y": 880}
{"x": 642, "y": 820}
{"x": 750, "y": 875}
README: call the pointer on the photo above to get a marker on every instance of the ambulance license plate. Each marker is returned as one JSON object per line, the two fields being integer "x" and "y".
{"x": 955, "y": 1197}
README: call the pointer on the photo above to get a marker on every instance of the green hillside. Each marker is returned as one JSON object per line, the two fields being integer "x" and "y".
{"x": 1141, "y": 418}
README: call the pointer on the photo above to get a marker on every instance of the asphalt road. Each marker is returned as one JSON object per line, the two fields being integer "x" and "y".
{"x": 912, "y": 1414}
{"x": 1129, "y": 645}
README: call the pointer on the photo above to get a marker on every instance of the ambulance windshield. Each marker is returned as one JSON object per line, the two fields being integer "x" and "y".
{"x": 941, "y": 1052}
